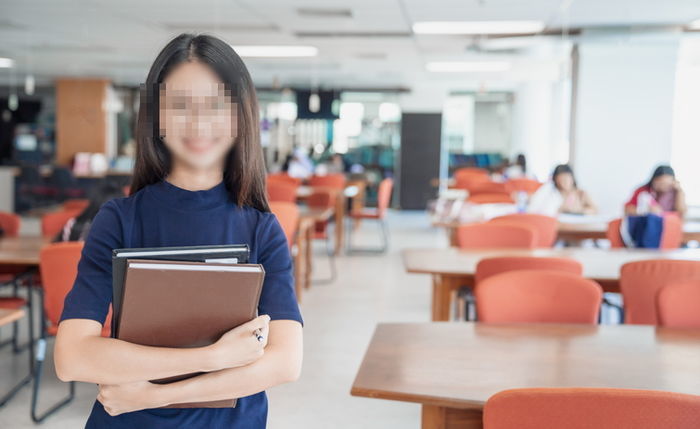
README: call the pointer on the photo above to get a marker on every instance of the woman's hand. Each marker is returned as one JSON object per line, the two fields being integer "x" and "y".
{"x": 240, "y": 346}
{"x": 125, "y": 398}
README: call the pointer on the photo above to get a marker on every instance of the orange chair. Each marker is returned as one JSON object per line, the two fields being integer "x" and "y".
{"x": 492, "y": 235}
{"x": 53, "y": 223}
{"x": 489, "y": 188}
{"x": 288, "y": 216}
{"x": 78, "y": 204}
{"x": 678, "y": 305}
{"x": 383, "y": 201}
{"x": 281, "y": 191}
{"x": 323, "y": 198}
{"x": 599, "y": 408}
{"x": 528, "y": 186}
{"x": 334, "y": 181}
{"x": 538, "y": 296}
{"x": 546, "y": 226}
{"x": 126, "y": 190}
{"x": 10, "y": 224}
{"x": 490, "y": 199}
{"x": 491, "y": 266}
{"x": 467, "y": 178}
{"x": 671, "y": 236}
{"x": 284, "y": 177}
{"x": 641, "y": 281}
{"x": 58, "y": 264}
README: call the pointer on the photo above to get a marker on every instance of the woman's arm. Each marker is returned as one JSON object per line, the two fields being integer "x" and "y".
{"x": 589, "y": 206}
{"x": 81, "y": 354}
{"x": 280, "y": 364}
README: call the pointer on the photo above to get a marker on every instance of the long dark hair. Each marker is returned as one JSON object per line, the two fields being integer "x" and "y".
{"x": 244, "y": 170}
{"x": 661, "y": 170}
{"x": 563, "y": 169}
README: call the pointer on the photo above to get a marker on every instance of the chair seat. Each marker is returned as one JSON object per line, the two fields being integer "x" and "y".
{"x": 366, "y": 214}
{"x": 12, "y": 303}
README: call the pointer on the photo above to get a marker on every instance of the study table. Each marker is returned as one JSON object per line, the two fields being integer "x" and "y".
{"x": 451, "y": 369}
{"x": 452, "y": 268}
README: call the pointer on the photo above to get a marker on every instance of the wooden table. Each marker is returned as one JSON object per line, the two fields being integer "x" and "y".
{"x": 304, "y": 238}
{"x": 21, "y": 250}
{"x": 580, "y": 230}
{"x": 451, "y": 369}
{"x": 349, "y": 192}
{"x": 9, "y": 316}
{"x": 452, "y": 268}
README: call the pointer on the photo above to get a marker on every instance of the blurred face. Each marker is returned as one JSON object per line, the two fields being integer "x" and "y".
{"x": 197, "y": 116}
{"x": 663, "y": 183}
{"x": 564, "y": 181}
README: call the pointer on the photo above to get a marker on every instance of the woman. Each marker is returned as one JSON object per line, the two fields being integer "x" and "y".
{"x": 562, "y": 195}
{"x": 199, "y": 179}
{"x": 661, "y": 194}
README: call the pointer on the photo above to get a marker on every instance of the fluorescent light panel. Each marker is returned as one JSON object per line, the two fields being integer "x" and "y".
{"x": 272, "y": 51}
{"x": 6, "y": 62}
{"x": 477, "y": 27}
{"x": 467, "y": 66}
{"x": 695, "y": 25}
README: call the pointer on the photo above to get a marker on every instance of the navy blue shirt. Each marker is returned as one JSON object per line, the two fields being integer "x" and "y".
{"x": 163, "y": 214}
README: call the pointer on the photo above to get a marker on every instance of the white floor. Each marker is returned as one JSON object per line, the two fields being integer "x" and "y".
{"x": 339, "y": 321}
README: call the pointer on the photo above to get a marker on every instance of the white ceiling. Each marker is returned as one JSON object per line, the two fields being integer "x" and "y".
{"x": 119, "y": 39}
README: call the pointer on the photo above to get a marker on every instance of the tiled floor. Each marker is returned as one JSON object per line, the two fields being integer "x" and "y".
{"x": 339, "y": 321}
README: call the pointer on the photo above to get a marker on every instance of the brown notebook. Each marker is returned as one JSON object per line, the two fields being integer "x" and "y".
{"x": 187, "y": 304}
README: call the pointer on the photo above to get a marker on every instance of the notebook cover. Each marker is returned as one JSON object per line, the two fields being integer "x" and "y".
{"x": 187, "y": 304}
{"x": 224, "y": 252}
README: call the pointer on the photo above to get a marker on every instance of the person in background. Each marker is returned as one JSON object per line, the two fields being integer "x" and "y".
{"x": 76, "y": 229}
{"x": 663, "y": 193}
{"x": 518, "y": 169}
{"x": 300, "y": 165}
{"x": 561, "y": 195}
{"x": 336, "y": 164}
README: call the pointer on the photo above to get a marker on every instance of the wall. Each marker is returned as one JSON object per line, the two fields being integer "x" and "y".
{"x": 623, "y": 114}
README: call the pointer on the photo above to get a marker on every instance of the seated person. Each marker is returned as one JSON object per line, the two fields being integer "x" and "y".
{"x": 76, "y": 228}
{"x": 561, "y": 195}
{"x": 661, "y": 194}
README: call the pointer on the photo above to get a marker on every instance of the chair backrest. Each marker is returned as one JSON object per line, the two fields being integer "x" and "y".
{"x": 334, "y": 180}
{"x": 126, "y": 190}
{"x": 538, "y": 296}
{"x": 284, "y": 177}
{"x": 671, "y": 236}
{"x": 281, "y": 191}
{"x": 53, "y": 223}
{"x": 492, "y": 235}
{"x": 470, "y": 173}
{"x": 678, "y": 305}
{"x": 491, "y": 266}
{"x": 529, "y": 186}
{"x": 489, "y": 187}
{"x": 58, "y": 265}
{"x": 490, "y": 199}
{"x": 546, "y": 226}
{"x": 76, "y": 204}
{"x": 288, "y": 216}
{"x": 10, "y": 224}
{"x": 321, "y": 198}
{"x": 384, "y": 196}
{"x": 641, "y": 281}
{"x": 599, "y": 408}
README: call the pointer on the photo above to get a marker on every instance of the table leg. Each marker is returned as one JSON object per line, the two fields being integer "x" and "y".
{"x": 452, "y": 236}
{"x": 339, "y": 222}
{"x": 434, "y": 417}
{"x": 444, "y": 288}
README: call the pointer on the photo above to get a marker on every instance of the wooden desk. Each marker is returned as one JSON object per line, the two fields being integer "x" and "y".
{"x": 349, "y": 192}
{"x": 9, "y": 316}
{"x": 304, "y": 238}
{"x": 451, "y": 369}
{"x": 21, "y": 250}
{"x": 452, "y": 268}
{"x": 578, "y": 231}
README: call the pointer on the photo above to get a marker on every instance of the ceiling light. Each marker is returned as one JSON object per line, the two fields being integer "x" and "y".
{"x": 6, "y": 62}
{"x": 477, "y": 27}
{"x": 270, "y": 51}
{"x": 695, "y": 25}
{"x": 467, "y": 66}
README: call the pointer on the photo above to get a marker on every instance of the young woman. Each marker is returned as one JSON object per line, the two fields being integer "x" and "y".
{"x": 562, "y": 195}
{"x": 661, "y": 194}
{"x": 199, "y": 179}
